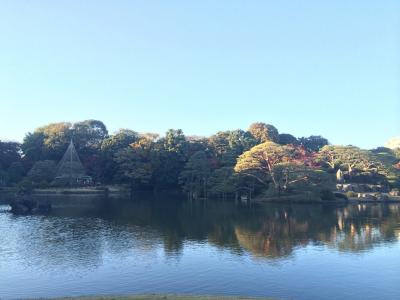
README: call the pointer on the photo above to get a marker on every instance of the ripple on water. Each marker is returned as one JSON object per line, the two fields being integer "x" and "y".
{"x": 284, "y": 251}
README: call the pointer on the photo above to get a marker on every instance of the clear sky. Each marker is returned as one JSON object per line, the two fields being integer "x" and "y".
{"x": 307, "y": 67}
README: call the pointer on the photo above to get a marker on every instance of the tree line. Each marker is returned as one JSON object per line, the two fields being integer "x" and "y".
{"x": 252, "y": 161}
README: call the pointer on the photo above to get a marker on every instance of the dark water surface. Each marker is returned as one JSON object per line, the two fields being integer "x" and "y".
{"x": 166, "y": 246}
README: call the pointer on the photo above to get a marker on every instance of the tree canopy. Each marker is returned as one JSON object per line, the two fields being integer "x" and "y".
{"x": 281, "y": 165}
{"x": 349, "y": 158}
{"x": 264, "y": 132}
{"x": 224, "y": 164}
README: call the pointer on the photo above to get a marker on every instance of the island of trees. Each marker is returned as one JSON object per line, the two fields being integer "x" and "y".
{"x": 258, "y": 161}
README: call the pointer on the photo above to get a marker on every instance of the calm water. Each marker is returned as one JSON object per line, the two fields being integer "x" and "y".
{"x": 124, "y": 247}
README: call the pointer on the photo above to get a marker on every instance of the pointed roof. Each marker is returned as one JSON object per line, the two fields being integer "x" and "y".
{"x": 70, "y": 166}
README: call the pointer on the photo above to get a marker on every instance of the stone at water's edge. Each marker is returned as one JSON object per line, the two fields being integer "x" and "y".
{"x": 25, "y": 204}
{"x": 362, "y": 188}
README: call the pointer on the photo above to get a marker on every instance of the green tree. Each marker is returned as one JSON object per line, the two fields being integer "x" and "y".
{"x": 228, "y": 145}
{"x": 170, "y": 154}
{"x": 121, "y": 139}
{"x": 57, "y": 136}
{"x": 313, "y": 142}
{"x": 9, "y": 153}
{"x": 390, "y": 161}
{"x": 112, "y": 145}
{"x": 222, "y": 182}
{"x": 295, "y": 176}
{"x": 284, "y": 166}
{"x": 194, "y": 177}
{"x": 264, "y": 132}
{"x": 219, "y": 143}
{"x": 167, "y": 167}
{"x": 32, "y": 146}
{"x": 350, "y": 158}
{"x": 287, "y": 139}
{"x": 88, "y": 135}
{"x": 43, "y": 171}
{"x": 136, "y": 162}
{"x": 195, "y": 144}
{"x": 241, "y": 141}
{"x": 261, "y": 162}
{"x": 15, "y": 172}
{"x": 47, "y": 142}
{"x": 175, "y": 141}
{"x": 10, "y": 159}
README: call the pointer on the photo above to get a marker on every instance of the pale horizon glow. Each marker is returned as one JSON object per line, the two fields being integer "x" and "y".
{"x": 308, "y": 68}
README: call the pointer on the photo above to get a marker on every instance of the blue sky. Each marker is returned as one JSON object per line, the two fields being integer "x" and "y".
{"x": 307, "y": 67}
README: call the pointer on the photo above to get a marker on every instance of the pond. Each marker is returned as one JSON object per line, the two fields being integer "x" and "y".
{"x": 216, "y": 248}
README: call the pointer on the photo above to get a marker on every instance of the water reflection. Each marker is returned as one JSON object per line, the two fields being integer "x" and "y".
{"x": 269, "y": 231}
{"x": 279, "y": 229}
{"x": 166, "y": 245}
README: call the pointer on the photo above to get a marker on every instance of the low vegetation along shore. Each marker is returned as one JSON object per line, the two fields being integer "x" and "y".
{"x": 259, "y": 162}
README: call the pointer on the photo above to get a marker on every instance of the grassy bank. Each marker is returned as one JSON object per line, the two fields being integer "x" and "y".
{"x": 298, "y": 198}
{"x": 71, "y": 190}
{"x": 82, "y": 190}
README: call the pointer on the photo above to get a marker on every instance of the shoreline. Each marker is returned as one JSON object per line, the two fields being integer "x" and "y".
{"x": 9, "y": 193}
{"x": 305, "y": 199}
{"x": 319, "y": 201}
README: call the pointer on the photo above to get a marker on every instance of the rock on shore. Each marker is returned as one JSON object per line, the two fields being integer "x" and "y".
{"x": 25, "y": 204}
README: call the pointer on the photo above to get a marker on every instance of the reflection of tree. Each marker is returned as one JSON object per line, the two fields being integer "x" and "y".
{"x": 352, "y": 228}
{"x": 223, "y": 235}
{"x": 361, "y": 227}
{"x": 271, "y": 230}
{"x": 276, "y": 234}
{"x": 118, "y": 227}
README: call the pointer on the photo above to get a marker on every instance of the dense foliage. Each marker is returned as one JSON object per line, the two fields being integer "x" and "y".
{"x": 228, "y": 163}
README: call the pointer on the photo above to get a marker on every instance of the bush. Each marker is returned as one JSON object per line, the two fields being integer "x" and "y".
{"x": 42, "y": 170}
{"x": 25, "y": 186}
